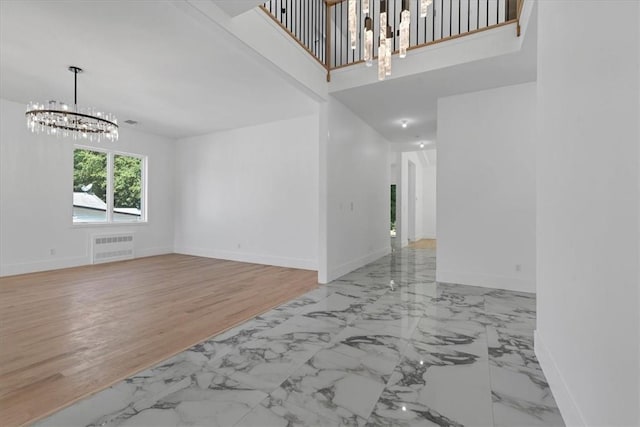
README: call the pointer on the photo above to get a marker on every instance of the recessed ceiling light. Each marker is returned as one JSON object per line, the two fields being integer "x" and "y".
{"x": 404, "y": 123}
{"x": 422, "y": 145}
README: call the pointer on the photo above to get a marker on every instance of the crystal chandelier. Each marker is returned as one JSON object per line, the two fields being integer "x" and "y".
{"x": 56, "y": 118}
{"x": 385, "y": 45}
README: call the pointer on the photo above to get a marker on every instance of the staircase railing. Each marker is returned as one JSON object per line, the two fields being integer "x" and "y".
{"x": 305, "y": 21}
{"x": 321, "y": 26}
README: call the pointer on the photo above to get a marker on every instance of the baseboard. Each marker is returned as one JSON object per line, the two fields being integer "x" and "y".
{"x": 568, "y": 408}
{"x": 500, "y": 282}
{"x": 142, "y": 253}
{"x": 348, "y": 267}
{"x": 303, "y": 264}
{"x": 46, "y": 265}
{"x": 60, "y": 263}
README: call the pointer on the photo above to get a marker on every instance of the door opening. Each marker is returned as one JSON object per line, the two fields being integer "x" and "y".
{"x": 393, "y": 210}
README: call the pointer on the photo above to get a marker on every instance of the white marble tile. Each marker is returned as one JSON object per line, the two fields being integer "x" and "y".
{"x": 334, "y": 386}
{"x": 378, "y": 349}
{"x": 273, "y": 412}
{"x": 318, "y": 328}
{"x": 442, "y": 377}
{"x": 343, "y": 307}
{"x": 263, "y": 364}
{"x": 453, "y": 394}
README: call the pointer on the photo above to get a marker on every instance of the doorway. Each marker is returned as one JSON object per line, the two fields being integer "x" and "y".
{"x": 393, "y": 210}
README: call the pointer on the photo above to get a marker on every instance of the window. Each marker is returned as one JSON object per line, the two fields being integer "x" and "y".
{"x": 108, "y": 187}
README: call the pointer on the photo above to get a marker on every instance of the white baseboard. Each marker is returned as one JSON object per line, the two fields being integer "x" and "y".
{"x": 44, "y": 265}
{"x": 500, "y": 282}
{"x": 303, "y": 264}
{"x": 569, "y": 410}
{"x": 60, "y": 263}
{"x": 347, "y": 267}
{"x": 142, "y": 253}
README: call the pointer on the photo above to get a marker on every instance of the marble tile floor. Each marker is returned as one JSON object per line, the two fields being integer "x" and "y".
{"x": 382, "y": 346}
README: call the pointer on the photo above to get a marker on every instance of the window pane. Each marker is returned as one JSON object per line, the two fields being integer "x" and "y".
{"x": 89, "y": 186}
{"x": 127, "y": 188}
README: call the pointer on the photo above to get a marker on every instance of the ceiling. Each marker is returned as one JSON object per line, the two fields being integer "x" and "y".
{"x": 384, "y": 105}
{"x": 179, "y": 75}
{"x": 236, "y": 7}
{"x": 150, "y": 61}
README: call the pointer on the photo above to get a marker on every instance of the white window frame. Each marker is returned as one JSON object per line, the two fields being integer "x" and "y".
{"x": 109, "y": 194}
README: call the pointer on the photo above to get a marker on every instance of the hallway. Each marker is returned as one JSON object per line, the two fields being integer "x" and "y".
{"x": 384, "y": 345}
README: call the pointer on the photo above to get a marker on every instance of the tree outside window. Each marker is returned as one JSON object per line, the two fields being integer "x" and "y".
{"x": 107, "y": 187}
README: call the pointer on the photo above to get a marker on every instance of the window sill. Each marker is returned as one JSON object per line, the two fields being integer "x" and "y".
{"x": 107, "y": 224}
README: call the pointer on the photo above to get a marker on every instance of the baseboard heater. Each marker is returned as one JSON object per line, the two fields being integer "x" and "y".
{"x": 112, "y": 247}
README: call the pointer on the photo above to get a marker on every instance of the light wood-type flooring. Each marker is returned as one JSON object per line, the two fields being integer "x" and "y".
{"x": 423, "y": 244}
{"x": 66, "y": 334}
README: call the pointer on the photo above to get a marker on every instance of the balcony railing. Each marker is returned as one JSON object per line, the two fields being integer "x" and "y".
{"x": 321, "y": 26}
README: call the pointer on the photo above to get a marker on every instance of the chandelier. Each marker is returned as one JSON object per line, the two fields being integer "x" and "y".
{"x": 385, "y": 46}
{"x": 56, "y": 118}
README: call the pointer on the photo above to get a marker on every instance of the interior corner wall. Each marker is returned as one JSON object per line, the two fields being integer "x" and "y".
{"x": 36, "y": 197}
{"x": 357, "y": 174}
{"x": 251, "y": 194}
{"x": 588, "y": 333}
{"x": 486, "y": 188}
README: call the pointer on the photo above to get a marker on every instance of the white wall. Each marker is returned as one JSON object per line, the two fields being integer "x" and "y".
{"x": 486, "y": 188}
{"x": 588, "y": 209}
{"x": 255, "y": 30}
{"x": 429, "y": 195}
{"x": 356, "y": 192}
{"x": 403, "y": 192}
{"x": 36, "y": 186}
{"x": 250, "y": 194}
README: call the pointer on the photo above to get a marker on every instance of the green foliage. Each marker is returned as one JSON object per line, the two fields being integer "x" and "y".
{"x": 90, "y": 167}
{"x": 127, "y": 182}
{"x": 393, "y": 207}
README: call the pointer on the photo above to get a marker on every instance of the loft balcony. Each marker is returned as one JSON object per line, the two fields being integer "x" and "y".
{"x": 321, "y": 27}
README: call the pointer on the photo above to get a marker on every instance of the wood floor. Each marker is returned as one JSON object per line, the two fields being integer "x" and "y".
{"x": 66, "y": 334}
{"x": 423, "y": 244}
